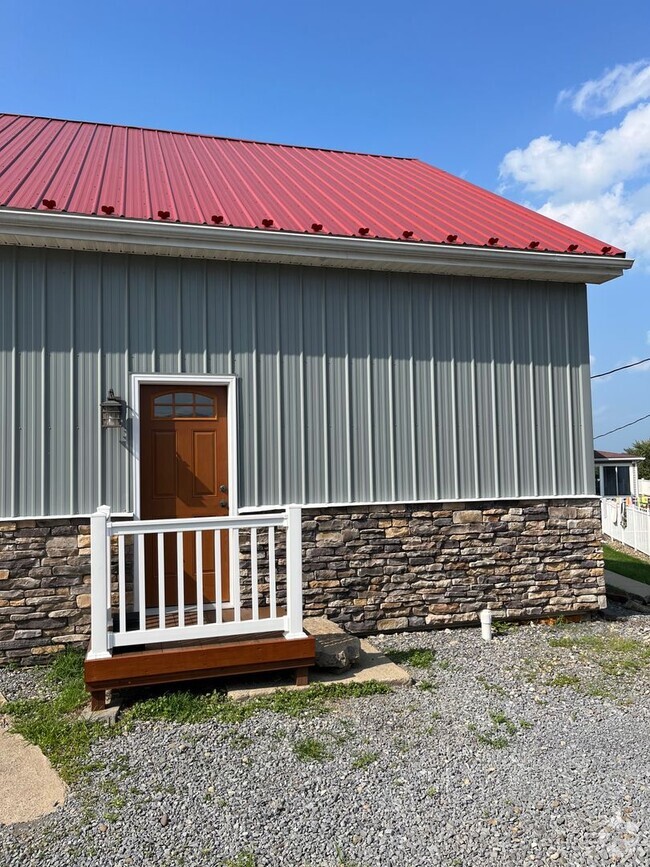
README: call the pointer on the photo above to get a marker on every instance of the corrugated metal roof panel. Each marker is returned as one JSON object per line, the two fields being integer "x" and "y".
{"x": 130, "y": 172}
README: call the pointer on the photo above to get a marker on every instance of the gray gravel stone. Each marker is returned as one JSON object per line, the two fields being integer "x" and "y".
{"x": 513, "y": 752}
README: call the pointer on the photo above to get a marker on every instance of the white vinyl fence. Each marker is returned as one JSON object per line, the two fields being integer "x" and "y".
{"x": 626, "y": 524}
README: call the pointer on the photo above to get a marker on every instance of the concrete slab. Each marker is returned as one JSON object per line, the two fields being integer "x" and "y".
{"x": 627, "y": 588}
{"x": 107, "y": 715}
{"x": 372, "y": 665}
{"x": 29, "y": 785}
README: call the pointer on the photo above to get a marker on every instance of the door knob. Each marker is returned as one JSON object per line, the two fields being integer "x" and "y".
{"x": 223, "y": 503}
{"x": 223, "y": 489}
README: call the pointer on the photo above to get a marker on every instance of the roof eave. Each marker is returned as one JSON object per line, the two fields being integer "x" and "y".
{"x": 144, "y": 237}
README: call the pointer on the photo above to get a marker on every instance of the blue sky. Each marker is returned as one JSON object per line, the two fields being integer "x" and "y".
{"x": 548, "y": 103}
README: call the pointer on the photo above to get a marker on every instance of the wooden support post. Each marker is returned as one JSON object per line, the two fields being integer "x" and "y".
{"x": 97, "y": 699}
{"x": 302, "y": 676}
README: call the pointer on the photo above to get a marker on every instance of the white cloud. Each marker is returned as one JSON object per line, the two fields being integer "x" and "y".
{"x": 600, "y": 184}
{"x": 588, "y": 167}
{"x": 618, "y": 88}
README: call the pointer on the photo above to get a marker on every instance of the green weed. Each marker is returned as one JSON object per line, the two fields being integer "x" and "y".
{"x": 419, "y": 657}
{"x": 311, "y": 750}
{"x": 364, "y": 760}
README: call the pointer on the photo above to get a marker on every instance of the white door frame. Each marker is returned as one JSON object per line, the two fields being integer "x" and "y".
{"x": 230, "y": 381}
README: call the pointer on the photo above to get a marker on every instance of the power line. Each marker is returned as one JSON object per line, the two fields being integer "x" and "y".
{"x": 629, "y": 424}
{"x": 616, "y": 370}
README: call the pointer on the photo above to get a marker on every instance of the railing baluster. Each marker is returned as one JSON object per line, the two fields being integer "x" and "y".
{"x": 272, "y": 597}
{"x": 142, "y": 602}
{"x": 121, "y": 582}
{"x": 199, "y": 578}
{"x": 161, "y": 580}
{"x": 255, "y": 599}
{"x": 218, "y": 600}
{"x": 235, "y": 589}
{"x": 180, "y": 579}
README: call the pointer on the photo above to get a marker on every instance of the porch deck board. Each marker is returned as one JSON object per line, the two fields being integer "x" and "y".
{"x": 196, "y": 661}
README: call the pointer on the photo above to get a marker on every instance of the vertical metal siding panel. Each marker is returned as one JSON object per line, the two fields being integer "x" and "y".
{"x": 481, "y": 313}
{"x": 87, "y": 329}
{"x": 562, "y": 419}
{"x": 424, "y": 434}
{"x": 30, "y": 339}
{"x": 58, "y": 383}
{"x": 142, "y": 314}
{"x": 268, "y": 404}
{"x": 8, "y": 420}
{"x": 316, "y": 433}
{"x": 360, "y": 387}
{"x": 337, "y": 396}
{"x": 544, "y": 458}
{"x": 508, "y": 425}
{"x": 168, "y": 315}
{"x": 218, "y": 316}
{"x": 288, "y": 421}
{"x": 243, "y": 323}
{"x": 464, "y": 392}
{"x": 446, "y": 451}
{"x": 581, "y": 390}
{"x": 193, "y": 320}
{"x": 381, "y": 375}
{"x": 115, "y": 375}
{"x": 523, "y": 395}
{"x": 401, "y": 346}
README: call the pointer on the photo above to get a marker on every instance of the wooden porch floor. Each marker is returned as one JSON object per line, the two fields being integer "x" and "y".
{"x": 205, "y": 659}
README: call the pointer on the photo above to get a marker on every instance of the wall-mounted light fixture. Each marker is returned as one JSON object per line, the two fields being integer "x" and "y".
{"x": 112, "y": 410}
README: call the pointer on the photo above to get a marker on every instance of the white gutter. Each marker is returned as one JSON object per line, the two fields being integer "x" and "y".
{"x": 108, "y": 234}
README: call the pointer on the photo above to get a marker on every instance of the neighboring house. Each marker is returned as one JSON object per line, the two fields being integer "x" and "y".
{"x": 198, "y": 331}
{"x": 617, "y": 474}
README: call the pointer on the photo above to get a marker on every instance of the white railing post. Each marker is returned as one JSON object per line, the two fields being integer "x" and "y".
{"x": 100, "y": 580}
{"x": 294, "y": 573}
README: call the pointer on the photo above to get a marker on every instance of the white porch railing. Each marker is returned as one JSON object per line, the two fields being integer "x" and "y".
{"x": 626, "y": 524}
{"x": 127, "y": 609}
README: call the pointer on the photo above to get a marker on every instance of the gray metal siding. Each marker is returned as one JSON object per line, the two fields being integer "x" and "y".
{"x": 353, "y": 386}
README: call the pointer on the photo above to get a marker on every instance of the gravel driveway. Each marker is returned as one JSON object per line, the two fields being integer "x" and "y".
{"x": 533, "y": 749}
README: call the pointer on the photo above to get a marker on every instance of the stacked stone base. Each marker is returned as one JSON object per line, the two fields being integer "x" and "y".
{"x": 395, "y": 567}
{"x": 369, "y": 569}
{"x": 44, "y": 588}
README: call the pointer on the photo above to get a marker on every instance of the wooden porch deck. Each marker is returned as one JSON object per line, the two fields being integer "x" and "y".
{"x": 200, "y": 660}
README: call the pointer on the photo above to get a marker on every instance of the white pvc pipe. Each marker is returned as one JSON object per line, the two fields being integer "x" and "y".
{"x": 486, "y": 624}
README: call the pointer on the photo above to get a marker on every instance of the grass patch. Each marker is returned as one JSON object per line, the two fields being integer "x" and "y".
{"x": 196, "y": 707}
{"x": 243, "y": 859}
{"x": 501, "y": 731}
{"x": 626, "y": 564}
{"x": 564, "y": 680}
{"x": 311, "y": 750}
{"x": 52, "y": 725}
{"x": 427, "y": 685}
{"x": 615, "y": 655}
{"x": 491, "y": 687}
{"x": 364, "y": 760}
{"x": 419, "y": 657}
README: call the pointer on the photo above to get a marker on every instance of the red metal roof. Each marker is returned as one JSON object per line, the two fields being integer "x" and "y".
{"x": 147, "y": 174}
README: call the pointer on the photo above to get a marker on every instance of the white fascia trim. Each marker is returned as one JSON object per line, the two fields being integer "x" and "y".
{"x": 86, "y": 515}
{"x": 378, "y": 504}
{"x": 108, "y": 234}
{"x": 230, "y": 381}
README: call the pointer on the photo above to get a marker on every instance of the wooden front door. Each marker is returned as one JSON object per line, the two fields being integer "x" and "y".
{"x": 184, "y": 474}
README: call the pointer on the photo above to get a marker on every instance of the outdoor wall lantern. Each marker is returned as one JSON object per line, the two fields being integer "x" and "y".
{"x": 112, "y": 410}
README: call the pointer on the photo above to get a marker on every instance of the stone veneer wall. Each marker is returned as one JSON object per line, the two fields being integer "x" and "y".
{"x": 44, "y": 588}
{"x": 370, "y": 569}
{"x": 384, "y": 568}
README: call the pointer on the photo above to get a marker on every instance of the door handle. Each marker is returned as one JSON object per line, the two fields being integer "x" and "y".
{"x": 223, "y": 489}
{"x": 223, "y": 504}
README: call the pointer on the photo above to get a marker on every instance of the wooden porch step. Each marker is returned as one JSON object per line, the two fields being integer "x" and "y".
{"x": 198, "y": 661}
